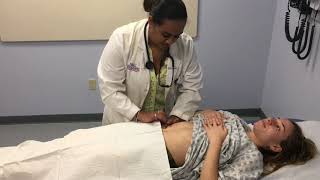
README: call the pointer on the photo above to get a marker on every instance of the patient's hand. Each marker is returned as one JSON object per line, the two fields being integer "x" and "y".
{"x": 215, "y": 130}
{"x": 213, "y": 115}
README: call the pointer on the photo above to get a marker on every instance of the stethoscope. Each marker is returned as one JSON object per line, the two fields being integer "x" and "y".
{"x": 149, "y": 63}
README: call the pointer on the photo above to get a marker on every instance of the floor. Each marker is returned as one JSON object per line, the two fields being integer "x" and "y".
{"x": 14, "y": 134}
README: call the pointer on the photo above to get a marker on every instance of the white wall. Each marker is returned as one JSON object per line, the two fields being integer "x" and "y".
{"x": 292, "y": 87}
{"x": 233, "y": 49}
{"x": 48, "y": 78}
{"x": 51, "y": 77}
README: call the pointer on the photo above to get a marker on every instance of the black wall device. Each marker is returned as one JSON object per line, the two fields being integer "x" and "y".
{"x": 303, "y": 35}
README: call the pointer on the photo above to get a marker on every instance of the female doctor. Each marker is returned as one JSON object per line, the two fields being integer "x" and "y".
{"x": 148, "y": 70}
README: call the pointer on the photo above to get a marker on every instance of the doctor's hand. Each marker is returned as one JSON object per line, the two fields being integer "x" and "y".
{"x": 171, "y": 120}
{"x": 215, "y": 129}
{"x": 149, "y": 117}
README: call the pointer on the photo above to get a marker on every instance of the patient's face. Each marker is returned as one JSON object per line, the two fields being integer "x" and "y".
{"x": 271, "y": 131}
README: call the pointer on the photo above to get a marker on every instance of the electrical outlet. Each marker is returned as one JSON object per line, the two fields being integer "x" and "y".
{"x": 92, "y": 84}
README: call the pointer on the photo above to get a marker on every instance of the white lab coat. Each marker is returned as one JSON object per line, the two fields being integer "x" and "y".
{"x": 124, "y": 80}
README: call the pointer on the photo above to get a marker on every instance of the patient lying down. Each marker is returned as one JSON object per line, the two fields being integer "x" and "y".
{"x": 219, "y": 144}
{"x": 214, "y": 145}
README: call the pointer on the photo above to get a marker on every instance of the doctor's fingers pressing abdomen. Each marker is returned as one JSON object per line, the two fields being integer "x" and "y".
{"x": 149, "y": 117}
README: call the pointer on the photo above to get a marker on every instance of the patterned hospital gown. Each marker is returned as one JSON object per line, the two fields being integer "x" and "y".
{"x": 239, "y": 157}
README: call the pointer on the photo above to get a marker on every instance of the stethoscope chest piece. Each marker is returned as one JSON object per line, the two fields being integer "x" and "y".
{"x": 149, "y": 65}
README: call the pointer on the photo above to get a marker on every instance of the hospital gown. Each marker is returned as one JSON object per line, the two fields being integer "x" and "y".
{"x": 239, "y": 157}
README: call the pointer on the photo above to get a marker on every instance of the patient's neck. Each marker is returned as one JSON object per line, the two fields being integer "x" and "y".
{"x": 254, "y": 139}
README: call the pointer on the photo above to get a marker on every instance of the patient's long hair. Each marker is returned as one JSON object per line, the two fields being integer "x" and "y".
{"x": 296, "y": 149}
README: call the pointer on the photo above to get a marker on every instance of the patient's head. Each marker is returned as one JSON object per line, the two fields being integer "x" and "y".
{"x": 270, "y": 132}
{"x": 282, "y": 142}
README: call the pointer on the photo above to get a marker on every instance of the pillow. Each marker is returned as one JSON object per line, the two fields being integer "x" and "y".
{"x": 308, "y": 171}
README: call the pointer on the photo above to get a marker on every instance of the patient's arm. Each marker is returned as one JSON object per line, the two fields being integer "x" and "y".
{"x": 216, "y": 133}
{"x": 210, "y": 167}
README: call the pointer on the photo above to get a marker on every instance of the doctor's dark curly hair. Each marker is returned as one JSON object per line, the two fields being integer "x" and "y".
{"x": 165, "y": 9}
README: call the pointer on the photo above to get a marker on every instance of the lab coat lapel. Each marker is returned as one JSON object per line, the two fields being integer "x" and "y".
{"x": 142, "y": 48}
{"x": 171, "y": 93}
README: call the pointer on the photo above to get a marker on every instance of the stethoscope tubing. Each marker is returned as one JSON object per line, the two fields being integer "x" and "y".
{"x": 149, "y": 64}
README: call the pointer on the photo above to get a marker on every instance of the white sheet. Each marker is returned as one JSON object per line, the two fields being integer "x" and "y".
{"x": 125, "y": 151}
{"x": 308, "y": 171}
